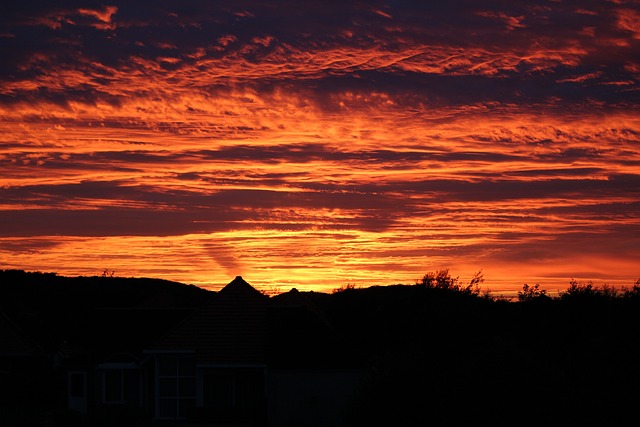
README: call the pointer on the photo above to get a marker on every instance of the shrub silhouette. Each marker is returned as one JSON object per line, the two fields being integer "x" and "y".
{"x": 589, "y": 292}
{"x": 531, "y": 293}
{"x": 634, "y": 292}
{"x": 442, "y": 280}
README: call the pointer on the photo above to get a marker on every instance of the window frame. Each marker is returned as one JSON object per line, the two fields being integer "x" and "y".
{"x": 179, "y": 396}
{"x": 120, "y": 369}
{"x": 71, "y": 383}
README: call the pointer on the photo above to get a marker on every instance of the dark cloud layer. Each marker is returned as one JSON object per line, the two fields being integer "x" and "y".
{"x": 454, "y": 54}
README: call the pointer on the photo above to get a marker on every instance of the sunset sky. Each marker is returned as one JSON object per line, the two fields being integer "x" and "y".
{"x": 317, "y": 144}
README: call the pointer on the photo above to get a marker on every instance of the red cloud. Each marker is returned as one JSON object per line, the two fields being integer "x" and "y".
{"x": 629, "y": 20}
{"x": 103, "y": 15}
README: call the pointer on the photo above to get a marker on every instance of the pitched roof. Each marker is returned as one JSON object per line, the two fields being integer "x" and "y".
{"x": 229, "y": 328}
{"x": 13, "y": 342}
{"x": 301, "y": 335}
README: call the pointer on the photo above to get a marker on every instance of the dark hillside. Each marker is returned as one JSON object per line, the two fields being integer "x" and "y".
{"x": 95, "y": 311}
{"x": 26, "y": 289}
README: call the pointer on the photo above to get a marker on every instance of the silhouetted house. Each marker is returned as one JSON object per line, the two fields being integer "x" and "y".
{"x": 23, "y": 367}
{"x": 313, "y": 373}
{"x": 103, "y": 367}
{"x": 212, "y": 366}
{"x": 243, "y": 359}
{"x": 235, "y": 358}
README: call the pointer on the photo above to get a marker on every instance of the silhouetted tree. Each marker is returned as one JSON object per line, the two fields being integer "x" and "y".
{"x": 442, "y": 280}
{"x": 531, "y": 293}
{"x": 634, "y": 292}
{"x": 347, "y": 287}
{"x": 588, "y": 291}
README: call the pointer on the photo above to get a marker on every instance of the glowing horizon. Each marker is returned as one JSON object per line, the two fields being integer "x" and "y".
{"x": 316, "y": 146}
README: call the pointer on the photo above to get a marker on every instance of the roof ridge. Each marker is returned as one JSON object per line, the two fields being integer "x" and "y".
{"x": 239, "y": 285}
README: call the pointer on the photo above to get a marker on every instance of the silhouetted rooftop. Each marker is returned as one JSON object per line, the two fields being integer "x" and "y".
{"x": 230, "y": 327}
{"x": 13, "y": 342}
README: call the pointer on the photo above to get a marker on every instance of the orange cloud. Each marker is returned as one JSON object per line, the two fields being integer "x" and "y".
{"x": 511, "y": 22}
{"x": 104, "y": 16}
{"x": 368, "y": 154}
{"x": 629, "y": 20}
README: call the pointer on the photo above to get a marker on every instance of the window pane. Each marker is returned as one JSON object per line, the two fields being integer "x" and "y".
{"x": 249, "y": 388}
{"x": 243, "y": 391}
{"x": 168, "y": 408}
{"x": 187, "y": 387}
{"x": 76, "y": 385}
{"x": 187, "y": 408}
{"x": 167, "y": 366}
{"x": 218, "y": 390}
{"x": 113, "y": 386}
{"x": 168, "y": 387}
{"x": 187, "y": 367}
{"x": 132, "y": 386}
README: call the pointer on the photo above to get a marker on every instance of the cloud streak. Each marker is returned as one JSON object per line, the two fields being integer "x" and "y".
{"x": 318, "y": 145}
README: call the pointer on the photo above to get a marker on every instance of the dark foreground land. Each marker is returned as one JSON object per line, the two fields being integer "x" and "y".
{"x": 432, "y": 353}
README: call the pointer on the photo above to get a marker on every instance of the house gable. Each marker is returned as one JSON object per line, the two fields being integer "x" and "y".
{"x": 230, "y": 328}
